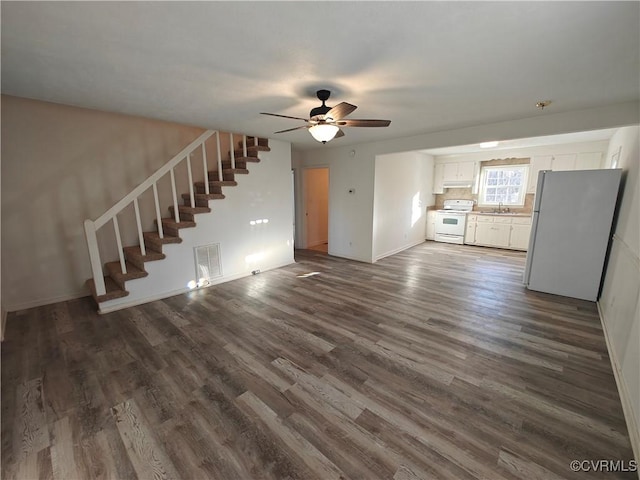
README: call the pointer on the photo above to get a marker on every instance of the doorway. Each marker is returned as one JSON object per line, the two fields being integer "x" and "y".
{"x": 316, "y": 208}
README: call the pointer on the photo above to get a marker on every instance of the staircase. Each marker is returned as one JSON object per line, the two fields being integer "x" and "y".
{"x": 132, "y": 259}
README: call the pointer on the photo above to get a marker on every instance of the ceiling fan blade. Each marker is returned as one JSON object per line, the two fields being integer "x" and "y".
{"x": 291, "y": 129}
{"x": 339, "y": 134}
{"x": 340, "y": 111}
{"x": 364, "y": 123}
{"x": 284, "y": 116}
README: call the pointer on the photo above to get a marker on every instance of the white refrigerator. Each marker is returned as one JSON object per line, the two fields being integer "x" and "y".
{"x": 570, "y": 231}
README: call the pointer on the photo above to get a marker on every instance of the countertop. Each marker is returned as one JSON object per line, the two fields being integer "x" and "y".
{"x": 502, "y": 214}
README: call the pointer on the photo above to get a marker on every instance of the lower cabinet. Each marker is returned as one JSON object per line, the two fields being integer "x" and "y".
{"x": 519, "y": 238}
{"x": 430, "y": 234}
{"x": 495, "y": 235}
{"x": 501, "y": 231}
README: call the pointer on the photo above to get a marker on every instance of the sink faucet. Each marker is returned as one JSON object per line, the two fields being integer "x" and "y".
{"x": 499, "y": 207}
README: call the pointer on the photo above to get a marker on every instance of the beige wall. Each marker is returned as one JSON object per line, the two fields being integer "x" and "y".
{"x": 60, "y": 166}
{"x": 619, "y": 303}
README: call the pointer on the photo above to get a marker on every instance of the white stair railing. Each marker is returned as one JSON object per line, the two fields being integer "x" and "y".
{"x": 92, "y": 226}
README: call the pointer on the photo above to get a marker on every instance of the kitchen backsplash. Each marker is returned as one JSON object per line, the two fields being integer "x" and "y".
{"x": 465, "y": 194}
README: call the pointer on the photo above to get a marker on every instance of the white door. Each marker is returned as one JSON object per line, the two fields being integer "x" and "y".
{"x": 316, "y": 196}
{"x": 519, "y": 238}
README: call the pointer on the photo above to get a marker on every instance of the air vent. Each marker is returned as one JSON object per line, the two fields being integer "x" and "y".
{"x": 207, "y": 263}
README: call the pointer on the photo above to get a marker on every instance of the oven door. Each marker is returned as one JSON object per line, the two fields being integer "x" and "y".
{"x": 450, "y": 223}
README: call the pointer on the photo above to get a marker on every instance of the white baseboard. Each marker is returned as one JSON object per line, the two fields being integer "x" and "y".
{"x": 397, "y": 250}
{"x": 631, "y": 417}
{"x": 115, "y": 305}
{"x": 45, "y": 301}
{"x": 3, "y": 323}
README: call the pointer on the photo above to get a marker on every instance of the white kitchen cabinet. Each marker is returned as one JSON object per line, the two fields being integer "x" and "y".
{"x": 431, "y": 225}
{"x": 541, "y": 162}
{"x": 493, "y": 234}
{"x": 466, "y": 171}
{"x": 502, "y": 231}
{"x": 438, "y": 178}
{"x": 519, "y": 238}
{"x": 564, "y": 162}
{"x": 453, "y": 172}
{"x": 450, "y": 172}
{"x": 470, "y": 230}
{"x": 589, "y": 161}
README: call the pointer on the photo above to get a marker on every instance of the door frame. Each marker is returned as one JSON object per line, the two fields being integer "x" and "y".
{"x": 301, "y": 223}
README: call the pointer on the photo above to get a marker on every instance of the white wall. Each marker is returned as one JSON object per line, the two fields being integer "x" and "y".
{"x": 403, "y": 188}
{"x": 619, "y": 303}
{"x": 62, "y": 165}
{"x": 265, "y": 193}
{"x": 351, "y": 216}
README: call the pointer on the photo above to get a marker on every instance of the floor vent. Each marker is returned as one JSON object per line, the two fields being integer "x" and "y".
{"x": 207, "y": 263}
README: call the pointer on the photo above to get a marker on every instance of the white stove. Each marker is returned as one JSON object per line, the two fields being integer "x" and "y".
{"x": 450, "y": 221}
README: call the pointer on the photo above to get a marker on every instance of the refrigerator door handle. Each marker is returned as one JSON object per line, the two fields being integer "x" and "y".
{"x": 531, "y": 248}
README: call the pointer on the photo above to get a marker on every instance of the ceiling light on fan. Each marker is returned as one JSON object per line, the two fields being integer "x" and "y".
{"x": 323, "y": 132}
{"x": 325, "y": 122}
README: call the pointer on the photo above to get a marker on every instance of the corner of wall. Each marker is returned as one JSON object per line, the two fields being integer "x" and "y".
{"x": 3, "y": 323}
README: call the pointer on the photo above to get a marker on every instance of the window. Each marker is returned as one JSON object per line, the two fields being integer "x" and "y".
{"x": 505, "y": 184}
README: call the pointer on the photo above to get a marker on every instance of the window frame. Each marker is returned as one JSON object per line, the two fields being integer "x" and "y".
{"x": 483, "y": 184}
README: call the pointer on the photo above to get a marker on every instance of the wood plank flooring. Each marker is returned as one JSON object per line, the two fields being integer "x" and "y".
{"x": 435, "y": 363}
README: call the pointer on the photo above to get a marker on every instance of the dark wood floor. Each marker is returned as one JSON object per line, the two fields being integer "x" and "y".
{"x": 432, "y": 363}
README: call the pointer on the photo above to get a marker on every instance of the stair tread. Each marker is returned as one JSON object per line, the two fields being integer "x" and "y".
{"x": 204, "y": 196}
{"x": 192, "y": 210}
{"x": 115, "y": 271}
{"x": 155, "y": 237}
{"x": 171, "y": 222}
{"x": 113, "y": 290}
{"x": 150, "y": 256}
{"x": 254, "y": 148}
{"x": 217, "y": 183}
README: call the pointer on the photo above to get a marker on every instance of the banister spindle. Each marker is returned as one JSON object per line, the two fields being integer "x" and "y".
{"x": 136, "y": 207}
{"x": 206, "y": 169}
{"x": 158, "y": 215}
{"x": 219, "y": 157}
{"x": 191, "y": 196}
{"x": 232, "y": 152}
{"x": 244, "y": 145}
{"x": 176, "y": 215}
{"x": 116, "y": 229}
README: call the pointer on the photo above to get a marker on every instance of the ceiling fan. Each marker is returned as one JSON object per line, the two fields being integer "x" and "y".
{"x": 324, "y": 122}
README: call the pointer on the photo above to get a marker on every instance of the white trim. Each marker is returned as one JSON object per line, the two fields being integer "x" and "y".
{"x": 398, "y": 250}
{"x": 483, "y": 177}
{"x": 631, "y": 419}
{"x": 108, "y": 307}
{"x": 3, "y": 323}
{"x": 45, "y": 301}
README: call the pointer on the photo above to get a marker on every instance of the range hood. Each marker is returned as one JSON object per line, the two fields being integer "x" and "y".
{"x": 456, "y": 184}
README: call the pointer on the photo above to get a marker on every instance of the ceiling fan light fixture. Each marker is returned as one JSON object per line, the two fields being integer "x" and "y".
{"x": 323, "y": 132}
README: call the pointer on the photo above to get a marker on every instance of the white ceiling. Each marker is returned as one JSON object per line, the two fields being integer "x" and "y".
{"x": 426, "y": 66}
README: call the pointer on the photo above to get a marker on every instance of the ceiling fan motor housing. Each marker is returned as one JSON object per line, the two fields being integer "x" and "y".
{"x": 323, "y": 96}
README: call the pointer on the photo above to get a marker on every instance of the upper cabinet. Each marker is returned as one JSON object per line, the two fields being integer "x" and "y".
{"x": 438, "y": 178}
{"x": 540, "y": 162}
{"x": 569, "y": 161}
{"x": 453, "y": 174}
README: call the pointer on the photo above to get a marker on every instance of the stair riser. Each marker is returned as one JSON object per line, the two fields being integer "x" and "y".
{"x": 213, "y": 188}
{"x": 238, "y": 164}
{"x": 136, "y": 260}
{"x": 263, "y": 142}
